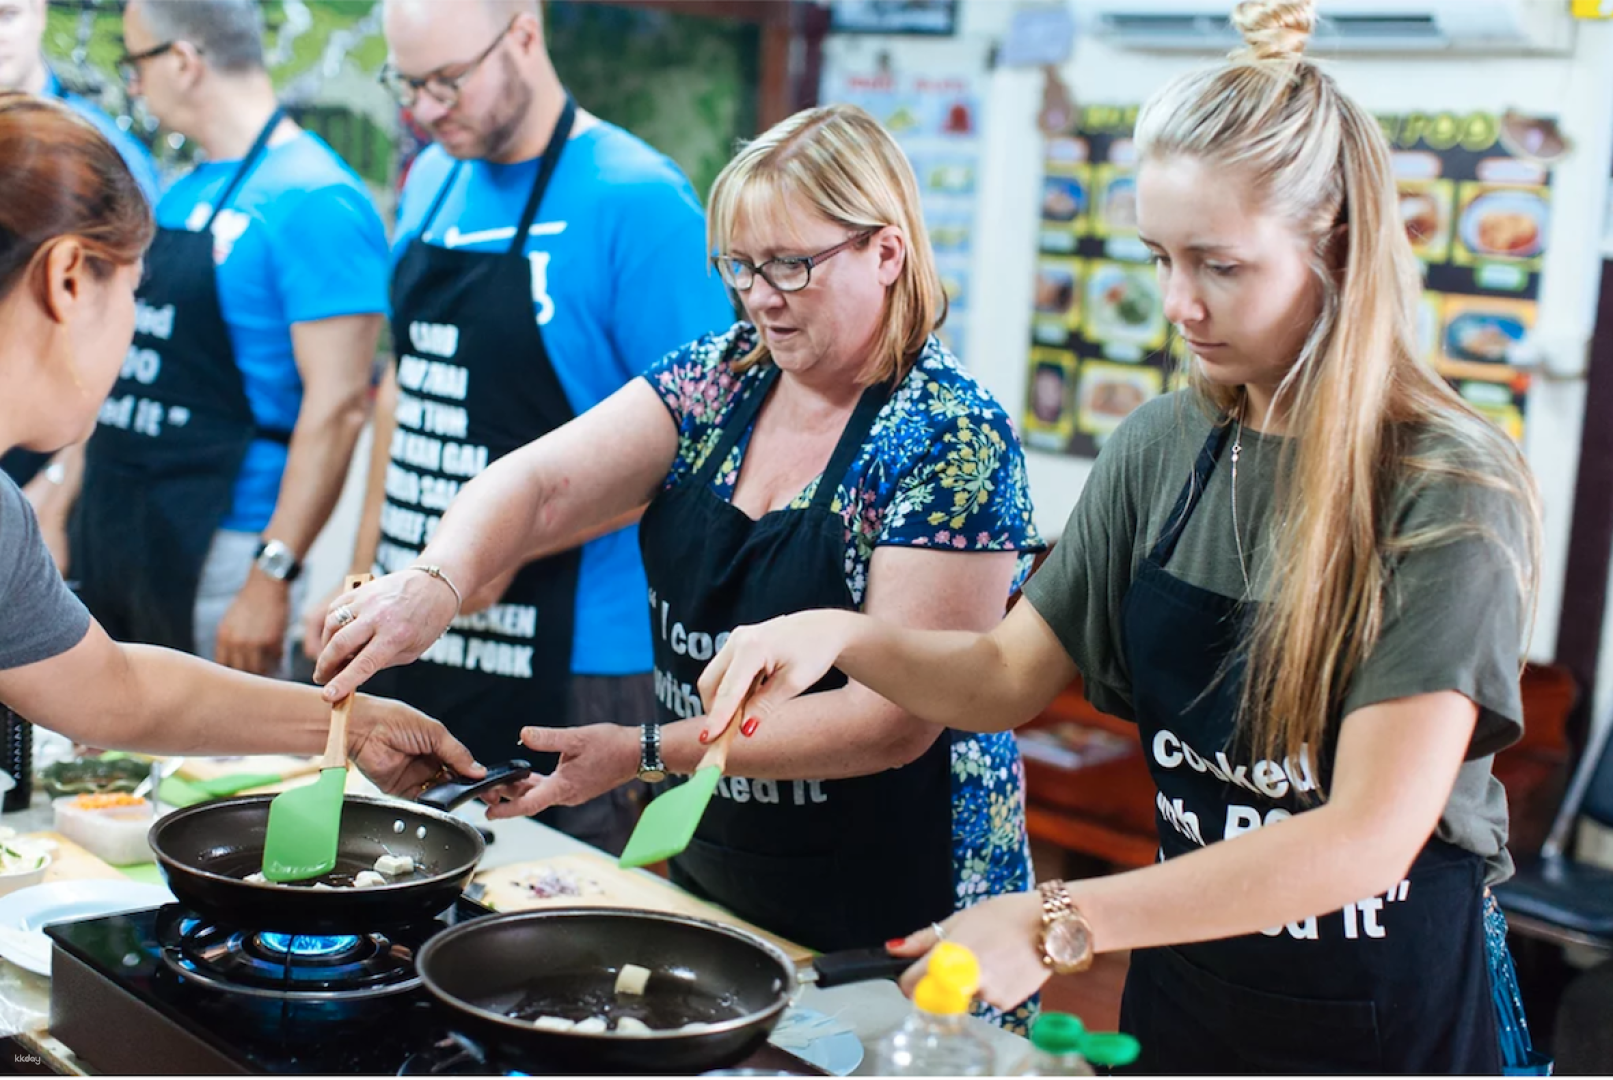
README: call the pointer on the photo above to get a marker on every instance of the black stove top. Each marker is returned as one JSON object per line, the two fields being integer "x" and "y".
{"x": 165, "y": 991}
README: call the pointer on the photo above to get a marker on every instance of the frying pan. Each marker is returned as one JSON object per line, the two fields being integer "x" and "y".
{"x": 500, "y": 972}
{"x": 206, "y": 851}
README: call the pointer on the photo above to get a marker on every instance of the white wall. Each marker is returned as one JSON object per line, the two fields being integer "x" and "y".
{"x": 1577, "y": 89}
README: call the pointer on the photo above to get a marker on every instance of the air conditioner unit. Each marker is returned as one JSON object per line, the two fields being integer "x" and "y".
{"x": 1354, "y": 26}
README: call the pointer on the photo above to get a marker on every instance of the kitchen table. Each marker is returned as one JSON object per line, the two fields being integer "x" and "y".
{"x": 869, "y": 1008}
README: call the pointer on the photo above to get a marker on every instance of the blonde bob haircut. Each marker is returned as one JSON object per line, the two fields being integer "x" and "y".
{"x": 838, "y": 160}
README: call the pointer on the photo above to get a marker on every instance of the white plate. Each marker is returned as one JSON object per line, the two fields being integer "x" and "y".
{"x": 819, "y": 1039}
{"x": 25, "y": 913}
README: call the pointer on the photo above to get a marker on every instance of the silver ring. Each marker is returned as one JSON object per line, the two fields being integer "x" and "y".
{"x": 940, "y": 932}
{"x": 343, "y": 615}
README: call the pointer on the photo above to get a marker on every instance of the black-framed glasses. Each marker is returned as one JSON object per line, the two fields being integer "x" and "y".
{"x": 786, "y": 273}
{"x": 129, "y": 63}
{"x": 444, "y": 89}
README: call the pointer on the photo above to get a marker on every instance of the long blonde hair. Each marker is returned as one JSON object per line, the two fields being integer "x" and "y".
{"x": 838, "y": 160}
{"x": 1367, "y": 417}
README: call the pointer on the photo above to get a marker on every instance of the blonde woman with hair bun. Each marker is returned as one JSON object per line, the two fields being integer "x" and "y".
{"x": 828, "y": 451}
{"x": 1308, "y": 578}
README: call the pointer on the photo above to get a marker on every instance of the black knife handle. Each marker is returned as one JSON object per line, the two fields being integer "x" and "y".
{"x": 451, "y": 793}
{"x": 859, "y": 965}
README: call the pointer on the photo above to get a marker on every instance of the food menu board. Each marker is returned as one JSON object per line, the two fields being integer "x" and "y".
{"x": 1100, "y": 344}
{"x": 1478, "y": 219}
{"x": 936, "y": 121}
{"x": 1098, "y": 334}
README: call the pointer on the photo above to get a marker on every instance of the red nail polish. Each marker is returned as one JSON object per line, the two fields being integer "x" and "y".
{"x": 748, "y": 728}
{"x": 704, "y": 737}
{"x": 895, "y": 943}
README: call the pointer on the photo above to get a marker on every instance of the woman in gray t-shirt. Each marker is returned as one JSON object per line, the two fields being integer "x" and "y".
{"x": 1306, "y": 578}
{"x": 73, "y": 229}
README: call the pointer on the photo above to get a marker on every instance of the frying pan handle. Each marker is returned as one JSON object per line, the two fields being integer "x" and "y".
{"x": 451, "y": 793}
{"x": 858, "y": 965}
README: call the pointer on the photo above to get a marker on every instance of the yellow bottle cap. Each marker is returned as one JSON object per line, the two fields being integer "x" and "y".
{"x": 956, "y": 966}
{"x": 939, "y": 998}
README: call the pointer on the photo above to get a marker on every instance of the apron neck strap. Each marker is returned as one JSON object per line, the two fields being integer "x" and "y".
{"x": 851, "y": 443}
{"x": 442, "y": 193}
{"x": 1209, "y": 453}
{"x": 546, "y": 166}
{"x": 738, "y": 422}
{"x": 246, "y": 165}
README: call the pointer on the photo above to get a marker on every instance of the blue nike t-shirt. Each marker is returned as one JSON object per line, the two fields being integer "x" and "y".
{"x": 132, "y": 150}
{"x": 299, "y": 241}
{"x": 619, "y": 280}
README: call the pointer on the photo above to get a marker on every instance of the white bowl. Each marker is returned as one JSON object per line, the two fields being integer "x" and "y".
{"x": 21, "y": 879}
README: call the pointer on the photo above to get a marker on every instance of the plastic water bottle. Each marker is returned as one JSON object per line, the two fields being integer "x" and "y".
{"x": 1061, "y": 1046}
{"x": 939, "y": 1038}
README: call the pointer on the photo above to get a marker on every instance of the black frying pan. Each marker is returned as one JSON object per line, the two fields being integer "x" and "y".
{"x": 206, "y": 851}
{"x": 499, "y": 973}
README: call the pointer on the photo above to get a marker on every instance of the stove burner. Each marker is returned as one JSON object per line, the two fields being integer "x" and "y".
{"x": 307, "y": 946}
{"x": 347, "y": 967}
{"x": 453, "y": 1055}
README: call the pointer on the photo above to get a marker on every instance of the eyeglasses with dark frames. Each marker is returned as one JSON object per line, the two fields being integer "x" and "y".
{"x": 129, "y": 63}
{"x": 786, "y": 273}
{"x": 444, "y": 89}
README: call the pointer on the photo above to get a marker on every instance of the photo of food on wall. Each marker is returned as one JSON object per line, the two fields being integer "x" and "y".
{"x": 1425, "y": 209}
{"x": 1049, "y": 419}
{"x": 1124, "y": 307}
{"x": 1502, "y": 222}
{"x": 1484, "y": 330}
{"x": 1111, "y": 392}
{"x": 1064, "y": 198}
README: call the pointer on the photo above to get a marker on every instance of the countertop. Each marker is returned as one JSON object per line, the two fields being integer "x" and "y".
{"x": 870, "y": 1008}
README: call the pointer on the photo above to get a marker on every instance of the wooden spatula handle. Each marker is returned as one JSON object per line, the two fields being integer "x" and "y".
{"x": 717, "y": 753}
{"x": 336, "y": 743}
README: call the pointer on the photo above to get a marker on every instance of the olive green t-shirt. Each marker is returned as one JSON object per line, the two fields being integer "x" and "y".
{"x": 1453, "y": 619}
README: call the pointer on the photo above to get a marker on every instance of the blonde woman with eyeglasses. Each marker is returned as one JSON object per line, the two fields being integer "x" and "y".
{"x": 1308, "y": 578}
{"x": 826, "y": 452}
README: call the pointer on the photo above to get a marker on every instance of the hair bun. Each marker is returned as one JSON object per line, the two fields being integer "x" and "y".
{"x": 1274, "y": 29}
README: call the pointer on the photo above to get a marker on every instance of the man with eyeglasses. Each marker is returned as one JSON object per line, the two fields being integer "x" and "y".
{"x": 544, "y": 258}
{"x": 23, "y": 67}
{"x": 223, "y": 447}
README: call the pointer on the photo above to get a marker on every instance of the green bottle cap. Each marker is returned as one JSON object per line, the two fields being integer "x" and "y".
{"x": 1112, "y": 1049}
{"x": 1058, "y": 1033}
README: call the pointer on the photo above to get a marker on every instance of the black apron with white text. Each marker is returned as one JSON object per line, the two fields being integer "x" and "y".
{"x": 1391, "y": 983}
{"x": 161, "y": 468}
{"x": 475, "y": 383}
{"x": 828, "y": 864}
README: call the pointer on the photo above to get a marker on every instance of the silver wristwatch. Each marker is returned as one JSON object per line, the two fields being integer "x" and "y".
{"x": 651, "y": 769}
{"x": 277, "y": 560}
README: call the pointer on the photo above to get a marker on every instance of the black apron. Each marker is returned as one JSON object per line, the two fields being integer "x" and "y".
{"x": 827, "y": 864}
{"x": 475, "y": 383}
{"x": 161, "y": 468}
{"x": 1392, "y": 983}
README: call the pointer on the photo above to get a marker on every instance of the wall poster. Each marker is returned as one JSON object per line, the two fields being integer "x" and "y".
{"x": 935, "y": 118}
{"x": 1477, "y": 217}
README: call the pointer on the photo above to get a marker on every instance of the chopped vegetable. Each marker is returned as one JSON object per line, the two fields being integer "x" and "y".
{"x": 594, "y": 1025}
{"x": 553, "y": 1023}
{"x": 107, "y": 801}
{"x": 632, "y": 1025}
{"x": 631, "y": 979}
{"x": 366, "y": 879}
{"x": 393, "y": 865}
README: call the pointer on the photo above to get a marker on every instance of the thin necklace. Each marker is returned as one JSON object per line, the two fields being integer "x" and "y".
{"x": 1237, "y": 534}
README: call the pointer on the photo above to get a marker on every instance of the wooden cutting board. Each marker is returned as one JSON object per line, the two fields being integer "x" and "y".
{"x": 617, "y": 888}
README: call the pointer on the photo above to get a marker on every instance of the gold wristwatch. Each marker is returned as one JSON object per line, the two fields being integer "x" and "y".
{"x": 1066, "y": 936}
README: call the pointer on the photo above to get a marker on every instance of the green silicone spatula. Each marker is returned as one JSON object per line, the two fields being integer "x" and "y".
{"x": 669, "y": 821}
{"x": 305, "y": 823}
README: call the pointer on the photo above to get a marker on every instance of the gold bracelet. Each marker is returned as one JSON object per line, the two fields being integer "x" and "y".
{"x": 433, "y": 570}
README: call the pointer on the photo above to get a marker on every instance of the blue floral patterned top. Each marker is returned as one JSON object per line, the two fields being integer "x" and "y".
{"x": 942, "y": 467}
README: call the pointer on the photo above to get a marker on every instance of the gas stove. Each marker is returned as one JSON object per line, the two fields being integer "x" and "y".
{"x": 164, "y": 990}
